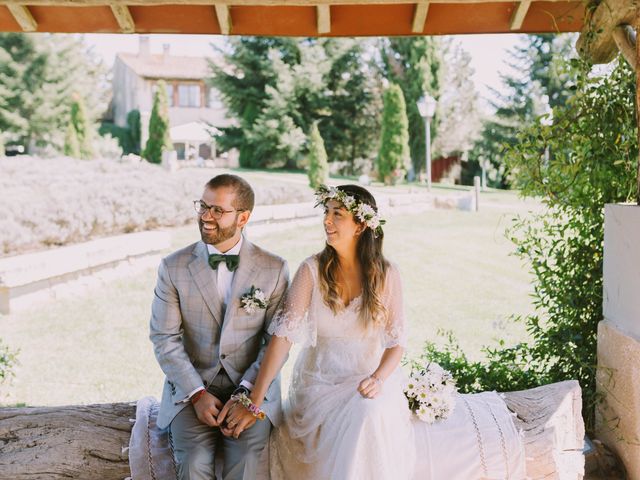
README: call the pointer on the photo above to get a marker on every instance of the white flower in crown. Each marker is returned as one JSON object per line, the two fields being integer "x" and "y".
{"x": 253, "y": 300}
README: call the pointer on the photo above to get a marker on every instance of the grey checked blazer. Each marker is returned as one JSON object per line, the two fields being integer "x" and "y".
{"x": 191, "y": 338}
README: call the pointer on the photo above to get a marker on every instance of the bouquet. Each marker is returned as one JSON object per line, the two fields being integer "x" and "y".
{"x": 431, "y": 391}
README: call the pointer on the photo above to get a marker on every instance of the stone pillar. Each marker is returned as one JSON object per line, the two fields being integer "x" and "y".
{"x": 618, "y": 375}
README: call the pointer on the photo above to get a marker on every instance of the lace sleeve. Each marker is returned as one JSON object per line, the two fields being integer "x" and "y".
{"x": 292, "y": 320}
{"x": 395, "y": 332}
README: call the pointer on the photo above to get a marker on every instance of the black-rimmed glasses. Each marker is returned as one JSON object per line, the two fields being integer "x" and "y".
{"x": 215, "y": 211}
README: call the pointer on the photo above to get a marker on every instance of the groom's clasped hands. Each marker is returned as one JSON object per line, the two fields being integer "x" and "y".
{"x": 232, "y": 419}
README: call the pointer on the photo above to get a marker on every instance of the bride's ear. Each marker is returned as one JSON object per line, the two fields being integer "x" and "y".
{"x": 359, "y": 229}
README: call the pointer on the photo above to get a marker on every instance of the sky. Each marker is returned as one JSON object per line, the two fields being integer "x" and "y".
{"x": 488, "y": 52}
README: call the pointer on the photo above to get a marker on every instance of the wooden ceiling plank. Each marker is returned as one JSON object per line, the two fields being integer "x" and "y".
{"x": 224, "y": 18}
{"x": 250, "y": 3}
{"x": 323, "y": 13}
{"x": 23, "y": 16}
{"x": 420, "y": 17}
{"x": 519, "y": 14}
{"x": 124, "y": 18}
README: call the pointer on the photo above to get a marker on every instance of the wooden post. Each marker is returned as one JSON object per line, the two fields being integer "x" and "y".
{"x": 476, "y": 191}
{"x": 637, "y": 27}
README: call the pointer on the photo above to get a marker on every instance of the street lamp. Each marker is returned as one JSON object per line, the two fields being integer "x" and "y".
{"x": 427, "y": 109}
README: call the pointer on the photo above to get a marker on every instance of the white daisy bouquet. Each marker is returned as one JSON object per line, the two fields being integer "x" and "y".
{"x": 430, "y": 391}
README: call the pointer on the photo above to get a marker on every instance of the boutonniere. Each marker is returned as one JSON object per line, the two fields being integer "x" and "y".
{"x": 253, "y": 299}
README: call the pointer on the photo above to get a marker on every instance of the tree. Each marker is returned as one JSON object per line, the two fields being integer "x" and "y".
{"x": 586, "y": 157}
{"x": 71, "y": 144}
{"x": 413, "y": 63}
{"x": 83, "y": 129}
{"x": 318, "y": 165}
{"x": 38, "y": 76}
{"x": 457, "y": 108}
{"x": 159, "y": 139}
{"x": 393, "y": 156}
{"x": 135, "y": 131}
{"x": 541, "y": 82}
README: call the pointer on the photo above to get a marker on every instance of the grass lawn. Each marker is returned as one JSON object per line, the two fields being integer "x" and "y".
{"x": 458, "y": 275}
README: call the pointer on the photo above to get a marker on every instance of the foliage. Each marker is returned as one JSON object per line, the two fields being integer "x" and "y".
{"x": 38, "y": 76}
{"x": 393, "y": 157}
{"x": 71, "y": 143}
{"x": 159, "y": 140}
{"x": 82, "y": 128}
{"x": 586, "y": 157}
{"x": 7, "y": 361}
{"x": 414, "y": 64}
{"x": 82, "y": 200}
{"x": 128, "y": 137}
{"x": 541, "y": 81}
{"x": 276, "y": 88}
{"x": 457, "y": 106}
{"x": 318, "y": 165}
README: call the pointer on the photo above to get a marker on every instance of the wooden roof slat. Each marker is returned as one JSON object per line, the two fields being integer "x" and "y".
{"x": 249, "y": 3}
{"x": 324, "y": 19}
{"x": 224, "y": 18}
{"x": 518, "y": 15}
{"x": 420, "y": 17}
{"x": 124, "y": 18}
{"x": 23, "y": 16}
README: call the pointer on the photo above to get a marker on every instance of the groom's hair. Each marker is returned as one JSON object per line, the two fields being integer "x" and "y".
{"x": 245, "y": 198}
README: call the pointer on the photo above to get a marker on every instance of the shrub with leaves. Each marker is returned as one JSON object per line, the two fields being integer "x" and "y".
{"x": 159, "y": 140}
{"x": 318, "y": 164}
{"x": 393, "y": 157}
{"x": 8, "y": 360}
{"x": 584, "y": 158}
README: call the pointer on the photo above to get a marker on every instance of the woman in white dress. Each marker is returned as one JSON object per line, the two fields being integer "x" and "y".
{"x": 346, "y": 416}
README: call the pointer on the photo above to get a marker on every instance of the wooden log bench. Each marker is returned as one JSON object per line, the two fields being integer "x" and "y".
{"x": 92, "y": 442}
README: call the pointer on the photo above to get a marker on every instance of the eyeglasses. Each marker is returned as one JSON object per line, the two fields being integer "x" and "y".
{"x": 215, "y": 211}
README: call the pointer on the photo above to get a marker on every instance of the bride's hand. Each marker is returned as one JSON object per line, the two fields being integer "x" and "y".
{"x": 370, "y": 387}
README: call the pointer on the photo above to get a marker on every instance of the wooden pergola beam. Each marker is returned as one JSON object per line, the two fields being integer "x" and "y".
{"x": 224, "y": 18}
{"x": 323, "y": 13}
{"x": 251, "y": 3}
{"x": 420, "y": 17}
{"x": 124, "y": 18}
{"x": 23, "y": 16}
{"x": 519, "y": 14}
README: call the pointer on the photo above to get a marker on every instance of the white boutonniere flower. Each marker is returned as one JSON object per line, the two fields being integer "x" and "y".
{"x": 253, "y": 300}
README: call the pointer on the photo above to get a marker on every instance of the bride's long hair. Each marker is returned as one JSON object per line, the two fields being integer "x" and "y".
{"x": 374, "y": 267}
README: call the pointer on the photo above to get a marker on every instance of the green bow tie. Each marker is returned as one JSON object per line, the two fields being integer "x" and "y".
{"x": 232, "y": 261}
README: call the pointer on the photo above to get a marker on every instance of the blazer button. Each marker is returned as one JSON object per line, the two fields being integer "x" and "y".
{"x": 223, "y": 356}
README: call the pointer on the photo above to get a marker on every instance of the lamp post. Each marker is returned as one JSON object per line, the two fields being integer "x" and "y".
{"x": 427, "y": 109}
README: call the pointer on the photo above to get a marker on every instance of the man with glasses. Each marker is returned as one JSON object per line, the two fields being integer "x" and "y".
{"x": 207, "y": 344}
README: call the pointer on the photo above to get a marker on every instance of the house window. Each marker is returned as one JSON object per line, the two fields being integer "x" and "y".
{"x": 189, "y": 95}
{"x": 170, "y": 95}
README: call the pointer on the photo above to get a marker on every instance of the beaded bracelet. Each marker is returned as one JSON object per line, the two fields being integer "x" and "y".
{"x": 246, "y": 402}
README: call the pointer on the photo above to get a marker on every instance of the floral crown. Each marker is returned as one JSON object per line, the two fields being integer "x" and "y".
{"x": 364, "y": 212}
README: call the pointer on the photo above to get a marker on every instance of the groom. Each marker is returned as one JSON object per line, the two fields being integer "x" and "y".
{"x": 206, "y": 343}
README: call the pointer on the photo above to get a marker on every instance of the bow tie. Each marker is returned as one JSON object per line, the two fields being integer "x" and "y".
{"x": 232, "y": 261}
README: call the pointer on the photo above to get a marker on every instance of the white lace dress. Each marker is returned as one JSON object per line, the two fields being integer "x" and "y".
{"x": 330, "y": 432}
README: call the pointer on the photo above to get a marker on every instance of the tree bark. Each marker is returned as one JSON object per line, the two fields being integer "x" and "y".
{"x": 90, "y": 442}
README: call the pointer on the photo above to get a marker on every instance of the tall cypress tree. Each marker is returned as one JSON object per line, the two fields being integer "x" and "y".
{"x": 413, "y": 63}
{"x": 318, "y": 165}
{"x": 394, "y": 158}
{"x": 159, "y": 139}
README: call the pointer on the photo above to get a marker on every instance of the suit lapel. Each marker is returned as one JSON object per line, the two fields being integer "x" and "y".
{"x": 241, "y": 279}
{"x": 205, "y": 280}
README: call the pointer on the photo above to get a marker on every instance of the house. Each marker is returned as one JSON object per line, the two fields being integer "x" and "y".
{"x": 193, "y": 105}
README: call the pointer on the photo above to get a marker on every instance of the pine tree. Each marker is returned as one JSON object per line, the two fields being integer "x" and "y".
{"x": 457, "y": 107}
{"x": 318, "y": 164}
{"x": 540, "y": 83}
{"x": 71, "y": 144}
{"x": 159, "y": 140}
{"x": 413, "y": 63}
{"x": 393, "y": 157}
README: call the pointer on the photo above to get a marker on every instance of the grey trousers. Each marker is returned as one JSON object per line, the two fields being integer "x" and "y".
{"x": 195, "y": 444}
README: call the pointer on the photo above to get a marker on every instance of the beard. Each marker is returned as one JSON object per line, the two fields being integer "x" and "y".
{"x": 219, "y": 235}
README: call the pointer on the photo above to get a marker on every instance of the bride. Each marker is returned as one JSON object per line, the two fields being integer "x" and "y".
{"x": 346, "y": 416}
